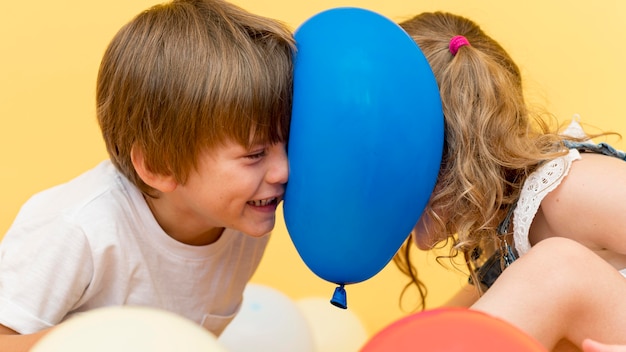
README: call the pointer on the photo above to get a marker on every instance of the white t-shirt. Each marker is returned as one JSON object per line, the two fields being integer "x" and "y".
{"x": 541, "y": 182}
{"x": 93, "y": 242}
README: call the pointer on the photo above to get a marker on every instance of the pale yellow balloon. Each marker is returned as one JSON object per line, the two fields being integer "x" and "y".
{"x": 268, "y": 321}
{"x": 334, "y": 329}
{"x": 126, "y": 329}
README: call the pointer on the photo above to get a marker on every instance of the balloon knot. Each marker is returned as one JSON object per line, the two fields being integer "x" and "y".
{"x": 339, "y": 298}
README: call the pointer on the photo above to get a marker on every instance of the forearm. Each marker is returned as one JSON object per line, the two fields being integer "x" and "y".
{"x": 10, "y": 341}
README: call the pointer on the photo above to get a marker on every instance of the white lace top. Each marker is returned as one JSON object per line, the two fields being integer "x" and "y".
{"x": 541, "y": 182}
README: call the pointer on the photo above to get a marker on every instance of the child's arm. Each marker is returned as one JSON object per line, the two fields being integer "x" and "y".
{"x": 560, "y": 290}
{"x": 10, "y": 341}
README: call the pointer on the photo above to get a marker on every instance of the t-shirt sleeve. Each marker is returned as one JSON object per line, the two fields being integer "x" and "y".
{"x": 45, "y": 267}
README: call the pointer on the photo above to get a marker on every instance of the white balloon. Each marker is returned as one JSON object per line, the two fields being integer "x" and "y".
{"x": 269, "y": 321}
{"x": 334, "y": 329}
{"x": 126, "y": 329}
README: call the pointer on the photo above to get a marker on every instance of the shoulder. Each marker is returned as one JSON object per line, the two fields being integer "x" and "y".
{"x": 587, "y": 205}
{"x": 80, "y": 190}
{"x": 595, "y": 175}
{"x": 534, "y": 190}
{"x": 94, "y": 204}
{"x": 544, "y": 180}
{"x": 91, "y": 188}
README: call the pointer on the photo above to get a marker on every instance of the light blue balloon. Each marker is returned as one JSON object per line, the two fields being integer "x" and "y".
{"x": 365, "y": 143}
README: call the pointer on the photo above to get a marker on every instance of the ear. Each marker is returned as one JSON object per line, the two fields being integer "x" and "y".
{"x": 160, "y": 182}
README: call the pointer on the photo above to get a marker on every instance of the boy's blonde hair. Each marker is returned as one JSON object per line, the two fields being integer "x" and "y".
{"x": 192, "y": 74}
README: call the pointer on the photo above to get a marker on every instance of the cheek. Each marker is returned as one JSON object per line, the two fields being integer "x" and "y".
{"x": 420, "y": 236}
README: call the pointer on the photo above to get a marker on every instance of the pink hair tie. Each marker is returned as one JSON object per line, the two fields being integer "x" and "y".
{"x": 456, "y": 42}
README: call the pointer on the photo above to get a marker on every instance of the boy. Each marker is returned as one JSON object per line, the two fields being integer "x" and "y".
{"x": 193, "y": 100}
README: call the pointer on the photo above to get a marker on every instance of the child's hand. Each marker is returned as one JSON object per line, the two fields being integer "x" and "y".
{"x": 594, "y": 346}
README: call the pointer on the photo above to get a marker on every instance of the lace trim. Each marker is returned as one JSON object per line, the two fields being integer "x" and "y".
{"x": 541, "y": 182}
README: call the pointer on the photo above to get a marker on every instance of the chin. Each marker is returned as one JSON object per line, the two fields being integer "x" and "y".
{"x": 255, "y": 234}
{"x": 260, "y": 230}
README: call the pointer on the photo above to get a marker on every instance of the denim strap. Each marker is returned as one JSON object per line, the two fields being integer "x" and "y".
{"x": 601, "y": 148}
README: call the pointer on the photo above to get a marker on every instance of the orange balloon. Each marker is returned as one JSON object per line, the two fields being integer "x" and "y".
{"x": 452, "y": 329}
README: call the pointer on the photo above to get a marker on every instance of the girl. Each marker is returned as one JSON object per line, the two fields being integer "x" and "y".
{"x": 509, "y": 182}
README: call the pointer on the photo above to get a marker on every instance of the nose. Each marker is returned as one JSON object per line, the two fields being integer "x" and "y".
{"x": 278, "y": 171}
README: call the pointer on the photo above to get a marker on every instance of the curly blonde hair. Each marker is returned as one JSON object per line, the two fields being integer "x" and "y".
{"x": 492, "y": 140}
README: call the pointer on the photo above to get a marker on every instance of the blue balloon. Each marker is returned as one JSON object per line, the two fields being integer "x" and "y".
{"x": 365, "y": 143}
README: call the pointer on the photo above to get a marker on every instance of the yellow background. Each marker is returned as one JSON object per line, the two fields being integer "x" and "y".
{"x": 570, "y": 52}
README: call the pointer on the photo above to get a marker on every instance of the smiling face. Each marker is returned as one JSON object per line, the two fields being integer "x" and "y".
{"x": 231, "y": 187}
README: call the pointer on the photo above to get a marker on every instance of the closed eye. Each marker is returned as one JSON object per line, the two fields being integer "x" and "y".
{"x": 257, "y": 155}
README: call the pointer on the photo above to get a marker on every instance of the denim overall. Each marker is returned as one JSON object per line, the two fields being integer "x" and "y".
{"x": 601, "y": 148}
